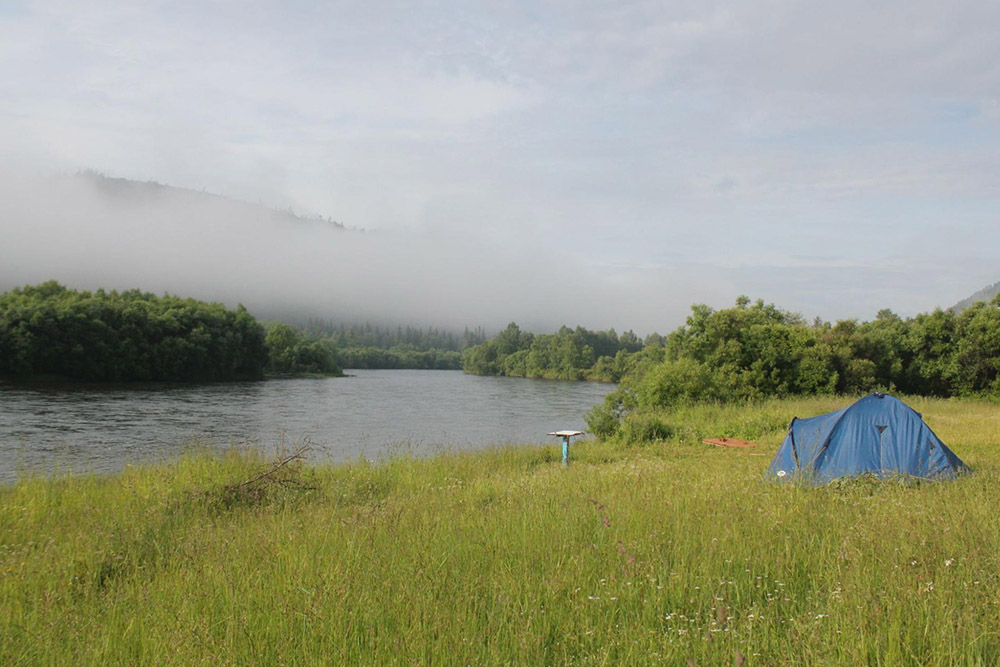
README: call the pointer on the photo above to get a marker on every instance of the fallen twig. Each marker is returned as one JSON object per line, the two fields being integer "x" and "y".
{"x": 298, "y": 454}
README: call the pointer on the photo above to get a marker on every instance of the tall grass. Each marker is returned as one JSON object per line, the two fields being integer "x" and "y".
{"x": 660, "y": 553}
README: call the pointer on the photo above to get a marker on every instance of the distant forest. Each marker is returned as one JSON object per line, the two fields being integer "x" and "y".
{"x": 568, "y": 354}
{"x": 368, "y": 346}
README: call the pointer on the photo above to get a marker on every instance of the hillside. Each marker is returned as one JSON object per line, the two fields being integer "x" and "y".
{"x": 985, "y": 294}
{"x": 87, "y": 230}
{"x": 152, "y": 194}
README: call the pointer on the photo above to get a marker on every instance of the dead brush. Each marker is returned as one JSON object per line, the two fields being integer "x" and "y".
{"x": 282, "y": 478}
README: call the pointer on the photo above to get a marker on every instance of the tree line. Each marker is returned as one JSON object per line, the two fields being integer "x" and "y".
{"x": 753, "y": 351}
{"x": 291, "y": 352}
{"x": 568, "y": 354}
{"x": 297, "y": 351}
{"x": 379, "y": 347}
{"x": 366, "y": 335}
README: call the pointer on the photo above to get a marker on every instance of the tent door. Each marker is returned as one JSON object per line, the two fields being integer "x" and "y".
{"x": 881, "y": 445}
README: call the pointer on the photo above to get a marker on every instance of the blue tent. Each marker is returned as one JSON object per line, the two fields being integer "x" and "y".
{"x": 878, "y": 435}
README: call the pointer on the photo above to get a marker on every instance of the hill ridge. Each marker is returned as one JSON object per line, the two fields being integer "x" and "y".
{"x": 122, "y": 189}
{"x": 985, "y": 294}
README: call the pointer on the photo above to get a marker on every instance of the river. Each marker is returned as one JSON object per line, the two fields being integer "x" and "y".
{"x": 50, "y": 429}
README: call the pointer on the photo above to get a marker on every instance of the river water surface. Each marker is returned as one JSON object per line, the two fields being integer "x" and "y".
{"x": 47, "y": 429}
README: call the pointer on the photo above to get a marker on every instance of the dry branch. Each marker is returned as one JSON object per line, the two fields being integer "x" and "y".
{"x": 297, "y": 455}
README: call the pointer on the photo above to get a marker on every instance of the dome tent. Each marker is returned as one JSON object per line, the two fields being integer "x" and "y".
{"x": 878, "y": 435}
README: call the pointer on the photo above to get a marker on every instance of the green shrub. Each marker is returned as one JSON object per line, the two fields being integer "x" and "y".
{"x": 642, "y": 429}
{"x": 678, "y": 381}
{"x": 603, "y": 420}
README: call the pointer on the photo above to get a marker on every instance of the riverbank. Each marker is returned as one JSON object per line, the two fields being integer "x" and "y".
{"x": 666, "y": 552}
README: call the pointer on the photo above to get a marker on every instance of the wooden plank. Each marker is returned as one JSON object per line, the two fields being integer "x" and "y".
{"x": 730, "y": 442}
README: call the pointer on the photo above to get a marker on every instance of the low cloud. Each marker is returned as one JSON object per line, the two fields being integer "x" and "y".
{"x": 90, "y": 233}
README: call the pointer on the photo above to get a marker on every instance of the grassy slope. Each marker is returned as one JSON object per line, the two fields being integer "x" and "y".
{"x": 664, "y": 553}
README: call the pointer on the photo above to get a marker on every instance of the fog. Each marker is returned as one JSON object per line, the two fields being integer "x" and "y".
{"x": 89, "y": 232}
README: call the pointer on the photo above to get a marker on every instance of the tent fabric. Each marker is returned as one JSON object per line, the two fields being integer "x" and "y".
{"x": 878, "y": 435}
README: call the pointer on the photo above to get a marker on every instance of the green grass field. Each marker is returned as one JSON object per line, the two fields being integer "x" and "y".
{"x": 666, "y": 553}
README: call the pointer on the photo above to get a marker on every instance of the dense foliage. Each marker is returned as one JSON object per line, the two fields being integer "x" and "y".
{"x": 368, "y": 346}
{"x": 568, "y": 354}
{"x": 755, "y": 351}
{"x": 49, "y": 330}
{"x": 346, "y": 336}
{"x": 365, "y": 346}
{"x": 400, "y": 356}
{"x": 290, "y": 352}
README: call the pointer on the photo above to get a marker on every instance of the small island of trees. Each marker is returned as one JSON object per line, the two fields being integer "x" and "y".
{"x": 48, "y": 331}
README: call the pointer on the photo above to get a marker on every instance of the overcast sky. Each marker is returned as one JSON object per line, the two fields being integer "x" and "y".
{"x": 624, "y": 159}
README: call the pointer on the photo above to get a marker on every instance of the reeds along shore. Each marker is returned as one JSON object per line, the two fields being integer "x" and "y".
{"x": 661, "y": 553}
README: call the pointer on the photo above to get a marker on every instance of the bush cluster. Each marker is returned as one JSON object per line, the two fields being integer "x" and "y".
{"x": 290, "y": 352}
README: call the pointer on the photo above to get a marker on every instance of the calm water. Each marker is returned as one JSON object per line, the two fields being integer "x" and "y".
{"x": 52, "y": 428}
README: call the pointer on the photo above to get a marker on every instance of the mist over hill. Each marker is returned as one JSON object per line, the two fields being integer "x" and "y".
{"x": 985, "y": 294}
{"x": 89, "y": 231}
{"x": 124, "y": 191}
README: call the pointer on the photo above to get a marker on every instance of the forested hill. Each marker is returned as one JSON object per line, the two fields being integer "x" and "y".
{"x": 141, "y": 194}
{"x": 985, "y": 295}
